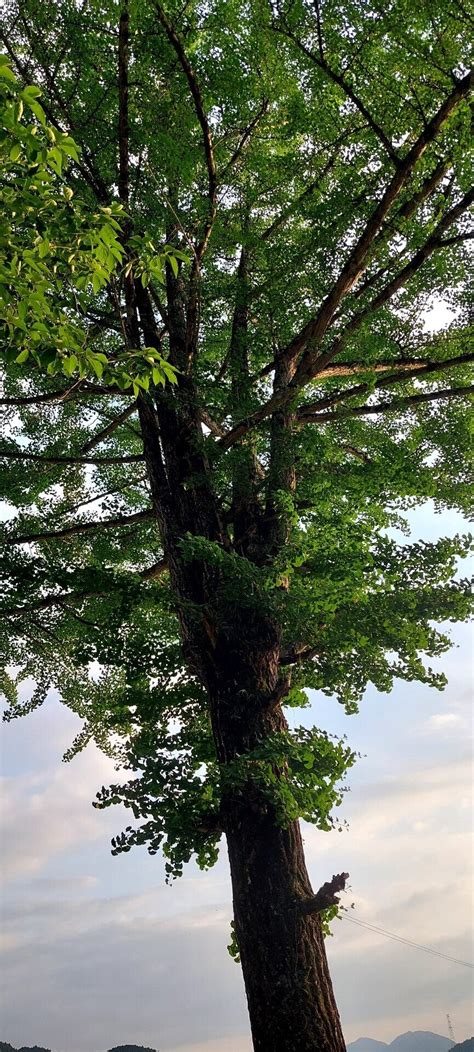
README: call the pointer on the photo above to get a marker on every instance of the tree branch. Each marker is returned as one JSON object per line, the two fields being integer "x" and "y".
{"x": 152, "y": 573}
{"x": 403, "y": 371}
{"x": 110, "y": 428}
{"x": 326, "y": 896}
{"x": 9, "y": 454}
{"x": 123, "y": 126}
{"x": 52, "y": 600}
{"x": 312, "y": 333}
{"x": 84, "y": 527}
{"x": 338, "y": 79}
{"x": 195, "y": 90}
{"x": 311, "y": 366}
{"x": 383, "y": 407}
{"x": 88, "y": 170}
{"x": 246, "y": 134}
{"x": 81, "y": 388}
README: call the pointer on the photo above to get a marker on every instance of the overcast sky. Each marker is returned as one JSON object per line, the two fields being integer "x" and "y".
{"x": 98, "y": 951}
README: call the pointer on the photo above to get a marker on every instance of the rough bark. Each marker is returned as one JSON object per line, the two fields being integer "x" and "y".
{"x": 235, "y": 650}
{"x": 289, "y": 990}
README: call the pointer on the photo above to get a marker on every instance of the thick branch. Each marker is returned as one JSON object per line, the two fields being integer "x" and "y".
{"x": 383, "y": 407}
{"x": 84, "y": 527}
{"x": 432, "y": 243}
{"x": 317, "y": 365}
{"x": 10, "y": 454}
{"x": 402, "y": 371}
{"x": 404, "y": 213}
{"x": 152, "y": 573}
{"x": 195, "y": 90}
{"x": 326, "y": 896}
{"x": 313, "y": 332}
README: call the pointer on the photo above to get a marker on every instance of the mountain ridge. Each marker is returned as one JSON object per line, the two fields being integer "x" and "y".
{"x": 412, "y": 1041}
{"x": 6, "y": 1047}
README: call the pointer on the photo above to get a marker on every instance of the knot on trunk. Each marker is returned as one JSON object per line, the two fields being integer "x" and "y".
{"x": 326, "y": 896}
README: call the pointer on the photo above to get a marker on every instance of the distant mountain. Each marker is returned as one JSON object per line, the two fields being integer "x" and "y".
{"x": 5, "y": 1047}
{"x": 130, "y": 1048}
{"x": 465, "y": 1046}
{"x": 413, "y": 1041}
{"x": 421, "y": 1041}
{"x": 367, "y": 1044}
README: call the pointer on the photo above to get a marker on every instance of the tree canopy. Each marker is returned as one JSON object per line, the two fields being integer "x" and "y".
{"x": 297, "y": 174}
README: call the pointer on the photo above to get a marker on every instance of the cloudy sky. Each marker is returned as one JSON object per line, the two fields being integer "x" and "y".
{"x": 98, "y": 951}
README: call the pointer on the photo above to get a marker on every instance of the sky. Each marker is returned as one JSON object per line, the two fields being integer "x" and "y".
{"x": 98, "y": 951}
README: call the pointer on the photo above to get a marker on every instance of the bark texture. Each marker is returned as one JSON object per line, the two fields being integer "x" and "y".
{"x": 289, "y": 990}
{"x": 235, "y": 651}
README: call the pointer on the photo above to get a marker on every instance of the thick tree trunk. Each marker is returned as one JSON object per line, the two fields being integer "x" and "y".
{"x": 234, "y": 648}
{"x": 289, "y": 990}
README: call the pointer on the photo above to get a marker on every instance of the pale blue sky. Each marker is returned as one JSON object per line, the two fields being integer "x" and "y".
{"x": 98, "y": 951}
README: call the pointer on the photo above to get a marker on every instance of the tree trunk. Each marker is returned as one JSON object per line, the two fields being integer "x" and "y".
{"x": 234, "y": 648}
{"x": 289, "y": 990}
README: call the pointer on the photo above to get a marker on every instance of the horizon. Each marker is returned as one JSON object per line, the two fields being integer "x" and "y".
{"x": 131, "y": 1044}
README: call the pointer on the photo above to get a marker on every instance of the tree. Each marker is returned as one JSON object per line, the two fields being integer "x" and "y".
{"x": 219, "y": 545}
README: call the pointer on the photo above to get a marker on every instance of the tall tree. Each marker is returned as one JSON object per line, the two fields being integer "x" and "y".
{"x": 220, "y": 544}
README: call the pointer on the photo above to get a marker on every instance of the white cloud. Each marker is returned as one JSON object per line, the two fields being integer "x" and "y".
{"x": 100, "y": 952}
{"x": 441, "y": 720}
{"x": 45, "y": 815}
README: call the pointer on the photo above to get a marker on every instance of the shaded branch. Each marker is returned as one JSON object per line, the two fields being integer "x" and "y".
{"x": 152, "y": 573}
{"x": 9, "y": 454}
{"x": 195, "y": 90}
{"x": 52, "y": 600}
{"x": 383, "y": 407}
{"x": 98, "y": 496}
{"x": 81, "y": 388}
{"x": 402, "y": 372}
{"x": 123, "y": 125}
{"x": 109, "y": 429}
{"x": 84, "y": 527}
{"x": 348, "y": 90}
{"x": 88, "y": 170}
{"x": 246, "y": 134}
{"x": 326, "y": 896}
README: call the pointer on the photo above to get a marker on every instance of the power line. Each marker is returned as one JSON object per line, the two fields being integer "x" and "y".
{"x": 406, "y": 942}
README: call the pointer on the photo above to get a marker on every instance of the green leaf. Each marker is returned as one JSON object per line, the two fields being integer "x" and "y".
{"x": 23, "y": 356}
{"x": 97, "y": 366}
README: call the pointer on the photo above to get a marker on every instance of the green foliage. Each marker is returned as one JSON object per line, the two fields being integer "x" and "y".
{"x": 296, "y": 772}
{"x": 55, "y": 253}
{"x": 233, "y": 947}
{"x": 327, "y": 555}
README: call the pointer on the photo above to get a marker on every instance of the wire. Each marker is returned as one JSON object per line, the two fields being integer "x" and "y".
{"x": 406, "y": 942}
